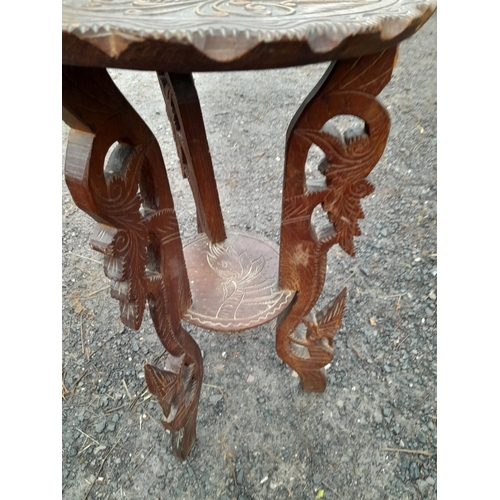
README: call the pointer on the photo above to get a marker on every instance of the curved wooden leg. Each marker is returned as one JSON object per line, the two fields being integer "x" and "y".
{"x": 349, "y": 87}
{"x": 137, "y": 231}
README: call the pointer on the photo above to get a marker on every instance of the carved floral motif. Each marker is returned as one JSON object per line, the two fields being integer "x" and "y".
{"x": 137, "y": 231}
{"x": 348, "y": 87}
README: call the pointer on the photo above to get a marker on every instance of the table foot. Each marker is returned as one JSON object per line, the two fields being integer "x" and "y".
{"x": 137, "y": 231}
{"x": 304, "y": 340}
{"x": 184, "y": 112}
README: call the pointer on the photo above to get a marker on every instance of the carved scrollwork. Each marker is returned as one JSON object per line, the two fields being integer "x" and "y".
{"x": 137, "y": 231}
{"x": 348, "y": 87}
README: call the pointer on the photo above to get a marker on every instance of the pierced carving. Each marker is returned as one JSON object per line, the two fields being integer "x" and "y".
{"x": 137, "y": 231}
{"x": 348, "y": 87}
{"x": 184, "y": 112}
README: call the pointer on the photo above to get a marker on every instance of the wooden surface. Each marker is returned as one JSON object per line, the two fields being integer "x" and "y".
{"x": 304, "y": 339}
{"x": 235, "y": 283}
{"x": 192, "y": 35}
{"x": 184, "y": 112}
{"x": 137, "y": 231}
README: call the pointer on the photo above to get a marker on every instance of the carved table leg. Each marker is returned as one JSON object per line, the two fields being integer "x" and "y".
{"x": 184, "y": 112}
{"x": 137, "y": 232}
{"x": 304, "y": 341}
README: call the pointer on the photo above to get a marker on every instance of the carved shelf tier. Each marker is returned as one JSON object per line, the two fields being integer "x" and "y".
{"x": 193, "y": 35}
{"x": 234, "y": 284}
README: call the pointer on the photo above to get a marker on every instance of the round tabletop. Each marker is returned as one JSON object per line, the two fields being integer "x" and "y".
{"x": 214, "y": 35}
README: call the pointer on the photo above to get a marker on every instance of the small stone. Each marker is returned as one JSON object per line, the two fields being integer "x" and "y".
{"x": 261, "y": 399}
{"x": 434, "y": 271}
{"x": 215, "y": 398}
{"x": 340, "y": 403}
{"x": 431, "y": 481}
{"x": 73, "y": 451}
{"x": 240, "y": 477}
{"x": 365, "y": 271}
{"x": 111, "y": 427}
{"x": 432, "y": 296}
{"x": 383, "y": 232}
{"x": 250, "y": 378}
{"x": 423, "y": 486}
{"x": 317, "y": 478}
{"x": 413, "y": 470}
{"x": 100, "y": 426}
{"x": 377, "y": 415}
{"x": 294, "y": 374}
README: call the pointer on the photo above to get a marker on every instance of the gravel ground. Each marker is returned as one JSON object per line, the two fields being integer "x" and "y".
{"x": 259, "y": 435}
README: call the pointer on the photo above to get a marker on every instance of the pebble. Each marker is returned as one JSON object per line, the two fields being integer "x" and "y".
{"x": 423, "y": 486}
{"x": 215, "y": 398}
{"x": 100, "y": 426}
{"x": 413, "y": 470}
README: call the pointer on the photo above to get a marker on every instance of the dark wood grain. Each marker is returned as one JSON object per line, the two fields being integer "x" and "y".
{"x": 184, "y": 112}
{"x": 234, "y": 283}
{"x": 191, "y": 35}
{"x": 348, "y": 87}
{"x": 137, "y": 231}
{"x": 115, "y": 170}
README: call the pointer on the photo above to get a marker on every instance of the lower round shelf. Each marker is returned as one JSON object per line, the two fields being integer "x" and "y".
{"x": 234, "y": 284}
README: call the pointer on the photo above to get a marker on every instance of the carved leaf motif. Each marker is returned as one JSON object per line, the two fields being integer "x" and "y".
{"x": 346, "y": 164}
{"x": 124, "y": 244}
{"x": 165, "y": 385}
{"x": 329, "y": 320}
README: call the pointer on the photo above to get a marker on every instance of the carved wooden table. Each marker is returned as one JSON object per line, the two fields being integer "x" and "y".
{"x": 222, "y": 281}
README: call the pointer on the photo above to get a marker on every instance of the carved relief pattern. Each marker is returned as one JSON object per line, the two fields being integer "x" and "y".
{"x": 323, "y": 24}
{"x": 137, "y": 232}
{"x": 234, "y": 283}
{"x": 348, "y": 87}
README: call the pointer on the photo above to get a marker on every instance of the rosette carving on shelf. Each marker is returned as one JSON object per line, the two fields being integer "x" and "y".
{"x": 349, "y": 87}
{"x": 129, "y": 196}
